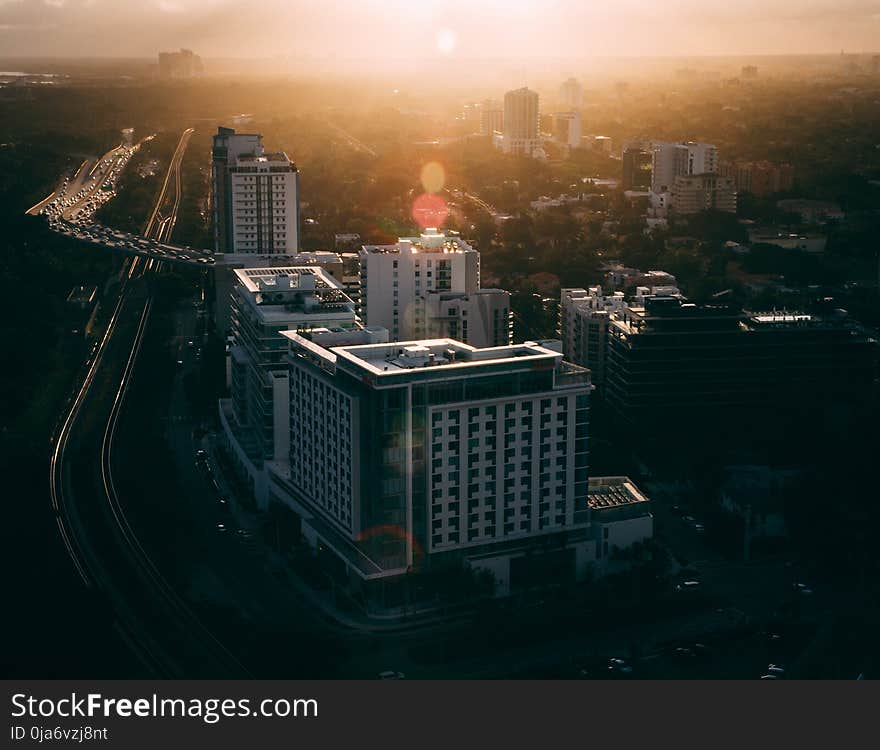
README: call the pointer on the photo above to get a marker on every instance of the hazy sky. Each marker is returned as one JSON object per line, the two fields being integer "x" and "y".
{"x": 436, "y": 28}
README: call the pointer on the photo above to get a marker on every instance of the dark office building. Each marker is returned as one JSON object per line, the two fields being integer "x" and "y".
{"x": 674, "y": 362}
{"x": 637, "y": 167}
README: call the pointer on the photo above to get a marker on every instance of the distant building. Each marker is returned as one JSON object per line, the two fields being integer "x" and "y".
{"x": 183, "y": 64}
{"x": 520, "y": 134}
{"x": 811, "y": 211}
{"x": 671, "y": 160}
{"x": 761, "y": 178}
{"x": 567, "y": 129}
{"x": 601, "y": 143}
{"x": 703, "y": 192}
{"x": 491, "y": 117}
{"x": 807, "y": 242}
{"x": 255, "y": 196}
{"x": 749, "y": 72}
{"x": 637, "y": 163}
{"x": 571, "y": 94}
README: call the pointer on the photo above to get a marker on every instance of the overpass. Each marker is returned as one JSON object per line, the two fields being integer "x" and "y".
{"x": 133, "y": 244}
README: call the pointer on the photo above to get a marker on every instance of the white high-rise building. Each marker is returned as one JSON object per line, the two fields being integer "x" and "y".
{"x": 404, "y": 454}
{"x": 394, "y": 279}
{"x": 482, "y": 318}
{"x": 567, "y": 129}
{"x": 583, "y": 326}
{"x": 264, "y": 302}
{"x": 571, "y": 94}
{"x": 521, "y": 132}
{"x": 255, "y": 197}
{"x": 670, "y": 160}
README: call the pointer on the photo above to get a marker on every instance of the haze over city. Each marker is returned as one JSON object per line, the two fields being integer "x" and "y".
{"x": 428, "y": 29}
{"x": 442, "y": 341}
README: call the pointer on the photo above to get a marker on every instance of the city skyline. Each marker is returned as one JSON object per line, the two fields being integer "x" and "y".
{"x": 438, "y": 29}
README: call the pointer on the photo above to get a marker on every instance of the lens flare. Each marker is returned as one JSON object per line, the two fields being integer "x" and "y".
{"x": 447, "y": 40}
{"x": 433, "y": 177}
{"x": 429, "y": 210}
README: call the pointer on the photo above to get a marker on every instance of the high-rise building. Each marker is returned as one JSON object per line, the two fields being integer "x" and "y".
{"x": 491, "y": 117}
{"x": 417, "y": 453}
{"x": 265, "y": 302}
{"x": 482, "y": 318}
{"x": 637, "y": 162}
{"x": 583, "y": 327}
{"x": 255, "y": 196}
{"x": 584, "y": 319}
{"x": 571, "y": 95}
{"x": 671, "y": 361}
{"x": 567, "y": 128}
{"x": 702, "y": 192}
{"x": 183, "y": 64}
{"x": 394, "y": 279}
{"x": 521, "y": 133}
{"x": 671, "y": 160}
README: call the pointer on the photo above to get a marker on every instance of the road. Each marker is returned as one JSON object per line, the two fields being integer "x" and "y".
{"x": 149, "y": 616}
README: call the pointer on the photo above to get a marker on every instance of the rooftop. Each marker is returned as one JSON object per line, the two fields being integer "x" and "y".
{"x": 430, "y": 241}
{"x": 441, "y": 354}
{"x": 279, "y": 292}
{"x": 605, "y": 493}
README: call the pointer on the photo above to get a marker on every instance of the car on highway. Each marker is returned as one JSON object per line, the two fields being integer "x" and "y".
{"x": 390, "y": 674}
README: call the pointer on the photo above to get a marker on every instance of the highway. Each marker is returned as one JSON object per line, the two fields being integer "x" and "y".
{"x": 106, "y": 552}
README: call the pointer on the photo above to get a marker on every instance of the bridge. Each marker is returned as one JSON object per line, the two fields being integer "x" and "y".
{"x": 134, "y": 244}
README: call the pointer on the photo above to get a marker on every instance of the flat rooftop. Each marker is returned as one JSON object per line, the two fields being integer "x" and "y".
{"x": 430, "y": 241}
{"x": 605, "y": 493}
{"x": 440, "y": 354}
{"x": 255, "y": 279}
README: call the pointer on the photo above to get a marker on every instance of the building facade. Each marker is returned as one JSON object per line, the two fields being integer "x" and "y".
{"x": 265, "y": 302}
{"x": 394, "y": 279}
{"x": 637, "y": 163}
{"x": 482, "y": 318}
{"x": 567, "y": 129}
{"x": 405, "y": 455}
{"x": 521, "y": 129}
{"x": 671, "y": 160}
{"x": 671, "y": 361}
{"x": 571, "y": 94}
{"x": 703, "y": 192}
{"x": 255, "y": 197}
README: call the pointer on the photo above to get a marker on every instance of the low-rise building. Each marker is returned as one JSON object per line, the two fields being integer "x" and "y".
{"x": 703, "y": 192}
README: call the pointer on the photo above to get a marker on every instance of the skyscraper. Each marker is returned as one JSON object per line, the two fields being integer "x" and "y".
{"x": 521, "y": 133}
{"x": 567, "y": 128}
{"x": 394, "y": 279}
{"x": 265, "y": 302}
{"x": 410, "y": 453}
{"x": 256, "y": 196}
{"x": 571, "y": 94}
{"x": 673, "y": 159}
